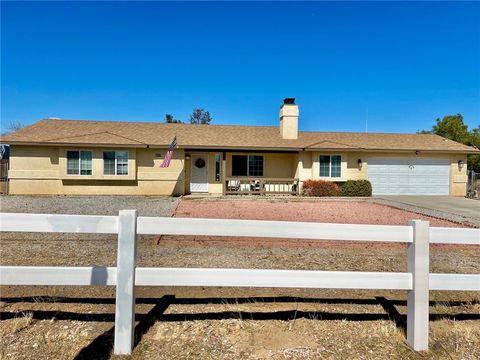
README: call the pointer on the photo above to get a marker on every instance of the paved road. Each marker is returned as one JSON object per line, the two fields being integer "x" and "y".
{"x": 469, "y": 209}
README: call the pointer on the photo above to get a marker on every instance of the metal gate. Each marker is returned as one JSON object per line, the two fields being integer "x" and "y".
{"x": 3, "y": 176}
{"x": 473, "y": 186}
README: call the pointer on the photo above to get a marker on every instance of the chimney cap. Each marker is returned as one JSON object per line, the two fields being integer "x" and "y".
{"x": 289, "y": 101}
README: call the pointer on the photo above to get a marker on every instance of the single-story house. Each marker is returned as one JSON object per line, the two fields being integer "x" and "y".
{"x": 73, "y": 157}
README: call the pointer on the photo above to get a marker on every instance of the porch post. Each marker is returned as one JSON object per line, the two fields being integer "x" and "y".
{"x": 224, "y": 172}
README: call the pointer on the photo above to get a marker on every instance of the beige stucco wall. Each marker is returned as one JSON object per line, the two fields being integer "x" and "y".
{"x": 304, "y": 166}
{"x": 38, "y": 162}
{"x": 309, "y": 166}
{"x": 41, "y": 170}
{"x": 289, "y": 121}
{"x": 458, "y": 177}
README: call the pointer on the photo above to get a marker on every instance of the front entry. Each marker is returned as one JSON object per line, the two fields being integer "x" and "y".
{"x": 199, "y": 178}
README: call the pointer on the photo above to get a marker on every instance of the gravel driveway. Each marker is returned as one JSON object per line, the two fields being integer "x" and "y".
{"x": 88, "y": 205}
{"x": 82, "y": 205}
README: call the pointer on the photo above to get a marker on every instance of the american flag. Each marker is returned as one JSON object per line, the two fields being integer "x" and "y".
{"x": 168, "y": 155}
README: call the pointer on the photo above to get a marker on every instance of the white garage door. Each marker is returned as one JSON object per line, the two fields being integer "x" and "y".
{"x": 409, "y": 176}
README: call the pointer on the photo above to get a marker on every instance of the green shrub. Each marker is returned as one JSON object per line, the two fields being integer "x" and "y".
{"x": 356, "y": 188}
{"x": 320, "y": 188}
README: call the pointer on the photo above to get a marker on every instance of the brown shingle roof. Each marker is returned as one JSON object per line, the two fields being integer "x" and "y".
{"x": 136, "y": 134}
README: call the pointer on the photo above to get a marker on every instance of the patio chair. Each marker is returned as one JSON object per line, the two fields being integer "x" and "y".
{"x": 233, "y": 185}
{"x": 255, "y": 185}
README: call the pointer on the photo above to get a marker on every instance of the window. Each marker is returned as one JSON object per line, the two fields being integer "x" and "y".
{"x": 79, "y": 162}
{"x": 115, "y": 163}
{"x": 217, "y": 167}
{"x": 239, "y": 165}
{"x": 336, "y": 165}
{"x": 330, "y": 166}
{"x": 255, "y": 165}
{"x": 247, "y": 165}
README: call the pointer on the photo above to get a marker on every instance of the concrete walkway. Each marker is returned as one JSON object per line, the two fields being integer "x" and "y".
{"x": 468, "y": 209}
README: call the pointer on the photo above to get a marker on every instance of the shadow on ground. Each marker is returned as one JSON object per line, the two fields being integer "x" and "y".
{"x": 102, "y": 346}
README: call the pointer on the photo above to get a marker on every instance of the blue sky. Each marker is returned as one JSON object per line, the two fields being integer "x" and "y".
{"x": 407, "y": 63}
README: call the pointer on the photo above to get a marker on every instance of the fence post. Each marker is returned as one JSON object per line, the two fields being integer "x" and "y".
{"x": 417, "y": 301}
{"x": 125, "y": 297}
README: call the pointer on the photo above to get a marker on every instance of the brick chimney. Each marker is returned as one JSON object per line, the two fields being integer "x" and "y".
{"x": 289, "y": 119}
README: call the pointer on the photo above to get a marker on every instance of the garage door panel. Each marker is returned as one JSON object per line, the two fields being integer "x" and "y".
{"x": 409, "y": 176}
{"x": 420, "y": 181}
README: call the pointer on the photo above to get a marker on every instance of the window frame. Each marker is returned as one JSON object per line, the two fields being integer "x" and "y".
{"x": 329, "y": 176}
{"x": 116, "y": 162}
{"x": 79, "y": 162}
{"x": 248, "y": 165}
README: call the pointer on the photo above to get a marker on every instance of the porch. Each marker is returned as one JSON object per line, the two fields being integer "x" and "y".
{"x": 242, "y": 173}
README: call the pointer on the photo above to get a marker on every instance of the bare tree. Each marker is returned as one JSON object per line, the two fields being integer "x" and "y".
{"x": 12, "y": 126}
{"x": 200, "y": 116}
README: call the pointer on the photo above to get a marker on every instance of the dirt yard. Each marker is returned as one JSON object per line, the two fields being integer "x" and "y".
{"x": 226, "y": 323}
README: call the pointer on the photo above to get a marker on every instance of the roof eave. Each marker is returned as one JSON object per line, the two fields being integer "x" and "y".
{"x": 458, "y": 151}
{"x": 45, "y": 143}
{"x": 240, "y": 148}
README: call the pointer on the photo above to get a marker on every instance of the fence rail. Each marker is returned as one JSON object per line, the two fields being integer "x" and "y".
{"x": 103, "y": 275}
{"x": 125, "y": 276}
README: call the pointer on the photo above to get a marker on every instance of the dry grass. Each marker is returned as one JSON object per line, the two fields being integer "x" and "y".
{"x": 313, "y": 325}
{"x": 21, "y": 321}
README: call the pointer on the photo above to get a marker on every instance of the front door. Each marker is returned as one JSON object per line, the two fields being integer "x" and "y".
{"x": 199, "y": 178}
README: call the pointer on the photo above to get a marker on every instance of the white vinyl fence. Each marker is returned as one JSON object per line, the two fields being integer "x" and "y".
{"x": 418, "y": 281}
